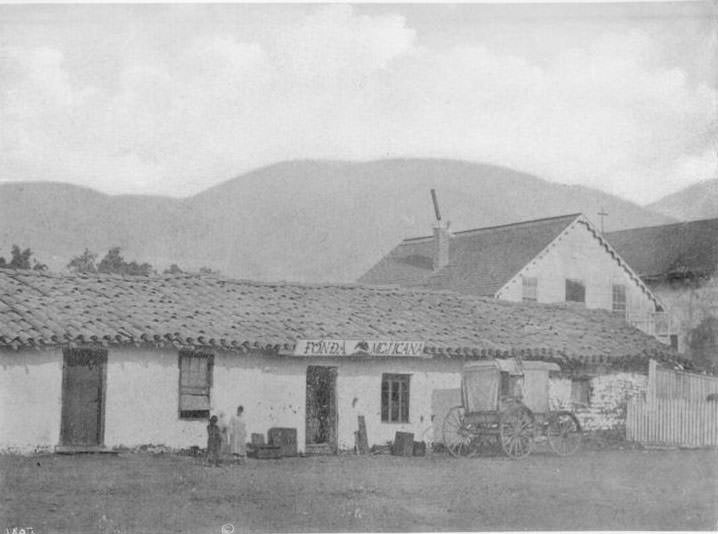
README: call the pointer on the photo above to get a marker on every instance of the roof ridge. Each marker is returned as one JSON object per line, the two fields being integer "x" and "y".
{"x": 388, "y": 288}
{"x": 678, "y": 223}
{"x": 507, "y": 225}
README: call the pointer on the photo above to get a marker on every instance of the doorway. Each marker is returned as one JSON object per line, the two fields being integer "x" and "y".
{"x": 321, "y": 409}
{"x": 83, "y": 397}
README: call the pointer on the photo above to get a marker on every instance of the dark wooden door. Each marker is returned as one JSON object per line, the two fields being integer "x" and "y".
{"x": 321, "y": 409}
{"x": 83, "y": 379}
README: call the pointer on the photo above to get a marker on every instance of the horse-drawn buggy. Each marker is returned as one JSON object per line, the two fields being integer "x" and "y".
{"x": 508, "y": 400}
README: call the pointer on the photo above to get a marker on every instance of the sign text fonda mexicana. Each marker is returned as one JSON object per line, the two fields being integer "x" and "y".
{"x": 358, "y": 347}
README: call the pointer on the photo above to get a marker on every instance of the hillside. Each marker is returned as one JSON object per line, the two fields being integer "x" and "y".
{"x": 300, "y": 220}
{"x": 699, "y": 201}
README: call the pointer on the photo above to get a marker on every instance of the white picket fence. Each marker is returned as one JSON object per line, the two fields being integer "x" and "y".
{"x": 674, "y": 422}
{"x": 675, "y": 410}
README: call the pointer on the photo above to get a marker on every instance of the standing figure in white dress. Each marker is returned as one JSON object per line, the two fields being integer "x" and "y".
{"x": 238, "y": 435}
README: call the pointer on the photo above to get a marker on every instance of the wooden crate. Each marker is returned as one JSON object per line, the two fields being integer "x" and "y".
{"x": 403, "y": 444}
{"x": 268, "y": 452}
{"x": 285, "y": 439}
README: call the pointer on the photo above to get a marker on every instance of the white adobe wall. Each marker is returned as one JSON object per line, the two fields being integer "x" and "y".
{"x": 271, "y": 389}
{"x": 30, "y": 400}
{"x": 142, "y": 400}
{"x": 273, "y": 392}
{"x": 608, "y": 399}
{"x": 142, "y": 403}
{"x": 143, "y": 396}
{"x": 580, "y": 255}
{"x": 359, "y": 388}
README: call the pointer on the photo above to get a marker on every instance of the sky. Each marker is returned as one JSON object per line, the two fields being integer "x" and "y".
{"x": 171, "y": 99}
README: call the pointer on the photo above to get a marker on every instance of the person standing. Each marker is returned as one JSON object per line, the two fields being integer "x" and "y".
{"x": 214, "y": 442}
{"x": 224, "y": 430}
{"x": 238, "y": 435}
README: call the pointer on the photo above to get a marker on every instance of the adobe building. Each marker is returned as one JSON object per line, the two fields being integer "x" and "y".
{"x": 91, "y": 361}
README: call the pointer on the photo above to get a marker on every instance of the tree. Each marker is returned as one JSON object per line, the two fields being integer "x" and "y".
{"x": 20, "y": 259}
{"x": 85, "y": 263}
{"x": 112, "y": 262}
{"x": 173, "y": 269}
{"x": 703, "y": 342}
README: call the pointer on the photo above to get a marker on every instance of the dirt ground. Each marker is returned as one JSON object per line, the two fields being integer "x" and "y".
{"x": 614, "y": 489}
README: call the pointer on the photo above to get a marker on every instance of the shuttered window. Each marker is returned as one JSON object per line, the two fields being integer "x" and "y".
{"x": 395, "y": 398}
{"x": 575, "y": 291}
{"x": 529, "y": 289}
{"x": 619, "y": 299}
{"x": 195, "y": 383}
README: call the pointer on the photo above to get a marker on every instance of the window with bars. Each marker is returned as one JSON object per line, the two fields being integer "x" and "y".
{"x": 575, "y": 291}
{"x": 195, "y": 383}
{"x": 395, "y": 398}
{"x": 529, "y": 289}
{"x": 619, "y": 299}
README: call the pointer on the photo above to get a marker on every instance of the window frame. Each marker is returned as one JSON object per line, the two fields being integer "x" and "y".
{"x": 615, "y": 303}
{"x": 395, "y": 410}
{"x": 529, "y": 283}
{"x": 576, "y": 283}
{"x": 581, "y": 390}
{"x": 190, "y": 390}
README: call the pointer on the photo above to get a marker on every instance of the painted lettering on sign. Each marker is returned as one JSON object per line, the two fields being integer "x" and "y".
{"x": 357, "y": 347}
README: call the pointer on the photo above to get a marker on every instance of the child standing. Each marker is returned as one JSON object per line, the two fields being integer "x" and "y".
{"x": 214, "y": 441}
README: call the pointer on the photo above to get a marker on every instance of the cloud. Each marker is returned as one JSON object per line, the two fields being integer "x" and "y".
{"x": 179, "y": 114}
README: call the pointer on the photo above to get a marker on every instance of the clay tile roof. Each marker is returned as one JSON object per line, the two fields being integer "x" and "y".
{"x": 481, "y": 261}
{"x": 671, "y": 249}
{"x": 54, "y": 309}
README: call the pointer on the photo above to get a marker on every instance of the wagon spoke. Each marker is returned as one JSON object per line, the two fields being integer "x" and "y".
{"x": 458, "y": 434}
{"x": 516, "y": 432}
{"x": 564, "y": 433}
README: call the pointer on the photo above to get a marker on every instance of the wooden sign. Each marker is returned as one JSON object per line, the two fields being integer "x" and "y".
{"x": 357, "y": 347}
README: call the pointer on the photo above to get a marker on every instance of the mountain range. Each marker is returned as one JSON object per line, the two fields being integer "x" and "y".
{"x": 310, "y": 221}
{"x": 699, "y": 201}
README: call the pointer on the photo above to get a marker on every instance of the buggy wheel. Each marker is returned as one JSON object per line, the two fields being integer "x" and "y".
{"x": 516, "y": 432}
{"x": 458, "y": 434}
{"x": 564, "y": 433}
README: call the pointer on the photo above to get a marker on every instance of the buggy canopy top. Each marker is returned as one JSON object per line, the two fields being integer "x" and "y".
{"x": 482, "y": 385}
{"x": 512, "y": 366}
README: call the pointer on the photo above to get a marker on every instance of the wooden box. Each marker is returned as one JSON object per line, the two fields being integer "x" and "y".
{"x": 285, "y": 439}
{"x": 268, "y": 452}
{"x": 403, "y": 444}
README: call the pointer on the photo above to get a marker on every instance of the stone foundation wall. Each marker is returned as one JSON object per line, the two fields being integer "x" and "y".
{"x": 608, "y": 398}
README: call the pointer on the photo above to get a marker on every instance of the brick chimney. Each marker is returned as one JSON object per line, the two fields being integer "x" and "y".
{"x": 441, "y": 238}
